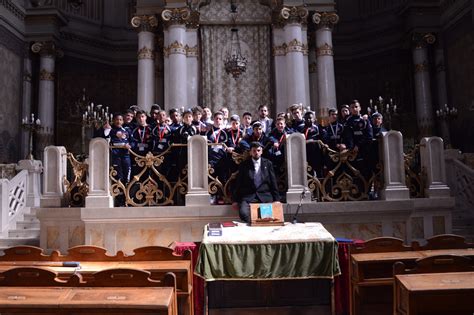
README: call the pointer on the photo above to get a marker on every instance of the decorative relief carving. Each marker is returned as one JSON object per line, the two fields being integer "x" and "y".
{"x": 175, "y": 48}
{"x": 294, "y": 46}
{"x": 325, "y": 19}
{"x": 176, "y": 16}
{"x": 249, "y": 12}
{"x": 146, "y": 53}
{"x": 193, "y": 21}
{"x": 46, "y": 49}
{"x": 294, "y": 14}
{"x": 313, "y": 68}
{"x": 46, "y": 75}
{"x": 144, "y": 23}
{"x": 324, "y": 50}
{"x": 422, "y": 67}
{"x": 280, "y": 50}
{"x": 422, "y": 39}
{"x": 191, "y": 51}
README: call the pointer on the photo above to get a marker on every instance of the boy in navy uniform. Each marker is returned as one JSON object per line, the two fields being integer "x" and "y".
{"x": 311, "y": 131}
{"x": 246, "y": 124}
{"x": 120, "y": 144}
{"x": 277, "y": 150}
{"x": 362, "y": 138}
{"x": 175, "y": 117}
{"x": 141, "y": 139}
{"x": 336, "y": 136}
{"x": 201, "y": 127}
{"x": 257, "y": 136}
{"x": 296, "y": 118}
{"x": 129, "y": 119}
{"x": 374, "y": 158}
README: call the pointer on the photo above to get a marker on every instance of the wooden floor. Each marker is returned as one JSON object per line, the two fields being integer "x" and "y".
{"x": 288, "y": 310}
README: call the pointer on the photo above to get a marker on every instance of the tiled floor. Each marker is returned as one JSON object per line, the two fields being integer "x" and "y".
{"x": 297, "y": 310}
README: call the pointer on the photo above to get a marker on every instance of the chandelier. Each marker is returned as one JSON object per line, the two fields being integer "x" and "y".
{"x": 234, "y": 62}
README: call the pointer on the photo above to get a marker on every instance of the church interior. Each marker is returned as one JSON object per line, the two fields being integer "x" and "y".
{"x": 231, "y": 157}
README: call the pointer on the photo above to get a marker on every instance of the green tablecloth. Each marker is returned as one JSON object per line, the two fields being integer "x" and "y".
{"x": 293, "y": 251}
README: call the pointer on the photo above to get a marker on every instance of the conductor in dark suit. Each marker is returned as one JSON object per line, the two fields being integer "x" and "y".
{"x": 255, "y": 183}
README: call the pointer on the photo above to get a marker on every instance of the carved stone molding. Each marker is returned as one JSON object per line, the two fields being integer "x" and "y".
{"x": 313, "y": 67}
{"x": 305, "y": 49}
{"x": 174, "y": 48}
{"x": 191, "y": 51}
{"x": 421, "y": 40}
{"x": 325, "y": 19}
{"x": 176, "y": 16}
{"x": 46, "y": 75}
{"x": 193, "y": 21}
{"x": 46, "y": 49}
{"x": 146, "y": 53}
{"x": 279, "y": 50}
{"x": 144, "y": 23}
{"x": 294, "y": 14}
{"x": 422, "y": 67}
{"x": 324, "y": 50}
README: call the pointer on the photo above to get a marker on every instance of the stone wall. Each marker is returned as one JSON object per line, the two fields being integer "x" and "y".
{"x": 11, "y": 49}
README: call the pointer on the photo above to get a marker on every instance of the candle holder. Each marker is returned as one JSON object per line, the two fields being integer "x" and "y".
{"x": 93, "y": 116}
{"x": 387, "y": 109}
{"x": 32, "y": 125}
{"x": 447, "y": 113}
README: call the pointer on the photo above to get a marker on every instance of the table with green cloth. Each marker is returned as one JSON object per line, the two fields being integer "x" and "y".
{"x": 292, "y": 251}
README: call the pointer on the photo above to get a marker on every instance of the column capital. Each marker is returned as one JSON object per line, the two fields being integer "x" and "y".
{"x": 176, "y": 16}
{"x": 325, "y": 19}
{"x": 144, "y": 23}
{"x": 193, "y": 21}
{"x": 421, "y": 40}
{"x": 46, "y": 48}
{"x": 296, "y": 14}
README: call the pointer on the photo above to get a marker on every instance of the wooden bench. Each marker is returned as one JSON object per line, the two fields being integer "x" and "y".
{"x": 133, "y": 291}
{"x": 157, "y": 260}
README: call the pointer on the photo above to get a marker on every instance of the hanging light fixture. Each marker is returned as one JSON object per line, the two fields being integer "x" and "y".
{"x": 234, "y": 62}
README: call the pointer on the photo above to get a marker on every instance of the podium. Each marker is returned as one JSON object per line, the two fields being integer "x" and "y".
{"x": 266, "y": 214}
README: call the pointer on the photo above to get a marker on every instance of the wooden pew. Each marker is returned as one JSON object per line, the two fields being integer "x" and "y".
{"x": 441, "y": 284}
{"x": 133, "y": 291}
{"x": 444, "y": 241}
{"x": 155, "y": 259}
{"x": 371, "y": 269}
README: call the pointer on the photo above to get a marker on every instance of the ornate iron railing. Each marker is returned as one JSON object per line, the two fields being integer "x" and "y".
{"x": 341, "y": 180}
{"x": 156, "y": 179}
{"x": 415, "y": 175}
{"x": 77, "y": 188}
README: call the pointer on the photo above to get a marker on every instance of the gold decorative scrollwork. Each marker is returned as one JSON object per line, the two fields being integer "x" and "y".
{"x": 176, "y": 15}
{"x": 145, "y": 23}
{"x": 46, "y": 48}
{"x": 297, "y": 14}
{"x": 324, "y": 50}
{"x": 146, "y": 53}
{"x": 280, "y": 50}
{"x": 176, "y": 48}
{"x": 149, "y": 186}
{"x": 422, "y": 67}
{"x": 191, "y": 51}
{"x": 77, "y": 189}
{"x": 415, "y": 175}
{"x": 343, "y": 182}
{"x": 294, "y": 46}
{"x": 422, "y": 39}
{"x": 46, "y": 75}
{"x": 313, "y": 68}
{"x": 325, "y": 19}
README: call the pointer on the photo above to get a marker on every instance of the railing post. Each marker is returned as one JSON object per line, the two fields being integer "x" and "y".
{"x": 33, "y": 183}
{"x": 395, "y": 187}
{"x": 433, "y": 164}
{"x": 297, "y": 169}
{"x": 99, "y": 182}
{"x": 198, "y": 194}
{"x": 5, "y": 209}
{"x": 53, "y": 177}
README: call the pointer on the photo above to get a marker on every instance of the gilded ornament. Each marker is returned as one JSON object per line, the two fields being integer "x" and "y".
{"x": 176, "y": 15}
{"x": 46, "y": 75}
{"x": 176, "y": 48}
{"x": 325, "y": 19}
{"x": 46, "y": 48}
{"x": 280, "y": 50}
{"x": 324, "y": 50}
{"x": 144, "y": 22}
{"x": 294, "y": 46}
{"x": 191, "y": 51}
{"x": 422, "y": 39}
{"x": 294, "y": 14}
{"x": 305, "y": 49}
{"x": 421, "y": 67}
{"x": 313, "y": 67}
{"x": 146, "y": 53}
{"x": 193, "y": 21}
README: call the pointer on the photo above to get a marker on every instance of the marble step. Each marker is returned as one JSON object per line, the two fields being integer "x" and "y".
{"x": 30, "y": 217}
{"x": 21, "y": 225}
{"x": 15, "y": 241}
{"x": 24, "y": 233}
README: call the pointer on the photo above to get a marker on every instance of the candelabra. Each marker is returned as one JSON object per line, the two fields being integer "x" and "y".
{"x": 93, "y": 116}
{"x": 447, "y": 113}
{"x": 32, "y": 125}
{"x": 387, "y": 109}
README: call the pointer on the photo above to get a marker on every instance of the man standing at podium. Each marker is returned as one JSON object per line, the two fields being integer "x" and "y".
{"x": 255, "y": 183}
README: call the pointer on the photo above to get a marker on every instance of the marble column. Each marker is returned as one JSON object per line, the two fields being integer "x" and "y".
{"x": 192, "y": 59}
{"x": 304, "y": 34}
{"x": 279, "y": 62}
{"x": 48, "y": 53}
{"x": 146, "y": 24}
{"x": 325, "y": 22}
{"x": 442, "y": 93}
{"x": 26, "y": 103}
{"x": 424, "y": 105}
{"x": 295, "y": 68}
{"x": 176, "y": 95}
